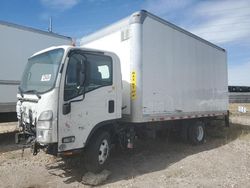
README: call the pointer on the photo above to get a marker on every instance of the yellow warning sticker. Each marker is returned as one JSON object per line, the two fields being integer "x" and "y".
{"x": 133, "y": 85}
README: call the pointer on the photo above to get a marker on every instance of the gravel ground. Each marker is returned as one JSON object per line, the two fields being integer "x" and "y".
{"x": 223, "y": 161}
{"x": 8, "y": 127}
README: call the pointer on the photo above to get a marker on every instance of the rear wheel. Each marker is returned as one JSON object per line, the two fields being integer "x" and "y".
{"x": 97, "y": 152}
{"x": 196, "y": 133}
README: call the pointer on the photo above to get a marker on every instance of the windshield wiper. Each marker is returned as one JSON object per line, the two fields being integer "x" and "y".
{"x": 35, "y": 92}
{"x": 20, "y": 90}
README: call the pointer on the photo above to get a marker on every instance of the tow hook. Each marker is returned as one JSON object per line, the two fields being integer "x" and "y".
{"x": 35, "y": 148}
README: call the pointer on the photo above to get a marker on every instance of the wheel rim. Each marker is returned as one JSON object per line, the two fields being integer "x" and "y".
{"x": 200, "y": 133}
{"x": 103, "y": 152}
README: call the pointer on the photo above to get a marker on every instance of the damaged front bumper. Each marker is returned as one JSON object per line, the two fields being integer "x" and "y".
{"x": 28, "y": 138}
{"x": 29, "y": 141}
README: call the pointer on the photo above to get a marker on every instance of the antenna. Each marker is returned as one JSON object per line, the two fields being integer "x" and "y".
{"x": 50, "y": 24}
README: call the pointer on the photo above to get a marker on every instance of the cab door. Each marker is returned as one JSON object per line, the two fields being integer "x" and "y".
{"x": 87, "y": 97}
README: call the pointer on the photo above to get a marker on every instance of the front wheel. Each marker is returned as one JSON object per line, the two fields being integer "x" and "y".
{"x": 196, "y": 133}
{"x": 97, "y": 152}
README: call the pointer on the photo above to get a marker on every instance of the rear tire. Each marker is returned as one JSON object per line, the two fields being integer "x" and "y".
{"x": 97, "y": 152}
{"x": 196, "y": 133}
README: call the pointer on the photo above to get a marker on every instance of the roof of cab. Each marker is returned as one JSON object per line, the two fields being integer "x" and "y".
{"x": 67, "y": 47}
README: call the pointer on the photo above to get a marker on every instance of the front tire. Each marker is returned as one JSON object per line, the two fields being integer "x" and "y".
{"x": 97, "y": 152}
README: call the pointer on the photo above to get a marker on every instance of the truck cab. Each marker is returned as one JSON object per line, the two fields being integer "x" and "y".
{"x": 66, "y": 96}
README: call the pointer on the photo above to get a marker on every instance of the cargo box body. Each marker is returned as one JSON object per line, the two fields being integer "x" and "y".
{"x": 168, "y": 73}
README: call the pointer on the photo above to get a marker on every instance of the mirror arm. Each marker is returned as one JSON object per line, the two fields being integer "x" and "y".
{"x": 69, "y": 103}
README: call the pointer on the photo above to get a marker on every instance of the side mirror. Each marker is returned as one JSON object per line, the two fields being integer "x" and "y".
{"x": 66, "y": 108}
{"x": 81, "y": 78}
{"x": 81, "y": 73}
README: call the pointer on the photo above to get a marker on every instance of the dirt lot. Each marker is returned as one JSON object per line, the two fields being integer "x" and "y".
{"x": 233, "y": 108}
{"x": 223, "y": 161}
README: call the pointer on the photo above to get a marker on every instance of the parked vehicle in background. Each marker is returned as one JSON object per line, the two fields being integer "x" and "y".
{"x": 18, "y": 43}
{"x": 143, "y": 74}
{"x": 239, "y": 88}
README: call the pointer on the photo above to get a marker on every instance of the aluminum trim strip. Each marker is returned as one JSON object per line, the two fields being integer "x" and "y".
{"x": 9, "y": 82}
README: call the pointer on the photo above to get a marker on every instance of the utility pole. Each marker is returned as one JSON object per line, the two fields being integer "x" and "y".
{"x": 50, "y": 24}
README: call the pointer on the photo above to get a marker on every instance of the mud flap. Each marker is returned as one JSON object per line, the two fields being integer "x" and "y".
{"x": 227, "y": 124}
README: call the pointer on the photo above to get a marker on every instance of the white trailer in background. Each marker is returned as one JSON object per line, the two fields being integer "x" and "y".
{"x": 142, "y": 74}
{"x": 18, "y": 43}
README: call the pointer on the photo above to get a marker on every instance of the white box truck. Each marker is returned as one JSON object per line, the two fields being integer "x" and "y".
{"x": 18, "y": 43}
{"x": 142, "y": 73}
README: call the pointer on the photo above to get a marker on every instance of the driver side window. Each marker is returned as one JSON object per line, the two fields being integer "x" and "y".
{"x": 72, "y": 85}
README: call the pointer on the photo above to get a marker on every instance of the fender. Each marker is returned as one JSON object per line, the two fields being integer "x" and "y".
{"x": 109, "y": 124}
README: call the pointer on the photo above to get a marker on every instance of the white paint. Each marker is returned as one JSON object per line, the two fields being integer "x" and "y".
{"x": 181, "y": 73}
{"x": 47, "y": 102}
{"x": 88, "y": 111}
{"x": 176, "y": 74}
{"x": 84, "y": 115}
{"x": 113, "y": 42}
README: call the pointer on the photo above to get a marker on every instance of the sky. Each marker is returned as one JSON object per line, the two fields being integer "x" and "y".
{"x": 223, "y": 22}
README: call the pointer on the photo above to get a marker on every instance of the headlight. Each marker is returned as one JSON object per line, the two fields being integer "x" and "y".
{"x": 45, "y": 120}
{"x": 44, "y": 136}
{"x": 46, "y": 115}
{"x": 44, "y": 124}
{"x": 44, "y": 127}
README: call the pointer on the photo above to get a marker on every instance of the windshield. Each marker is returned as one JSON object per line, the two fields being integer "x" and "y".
{"x": 40, "y": 72}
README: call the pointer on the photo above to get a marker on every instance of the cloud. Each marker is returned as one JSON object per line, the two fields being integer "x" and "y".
{"x": 223, "y": 21}
{"x": 163, "y": 7}
{"x": 239, "y": 74}
{"x": 44, "y": 16}
{"x": 168, "y": 9}
{"x": 60, "y": 5}
{"x": 220, "y": 22}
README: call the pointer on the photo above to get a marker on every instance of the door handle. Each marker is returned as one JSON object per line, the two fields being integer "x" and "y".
{"x": 66, "y": 108}
{"x": 111, "y": 106}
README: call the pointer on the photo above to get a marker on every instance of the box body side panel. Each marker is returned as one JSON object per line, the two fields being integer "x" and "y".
{"x": 181, "y": 75}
